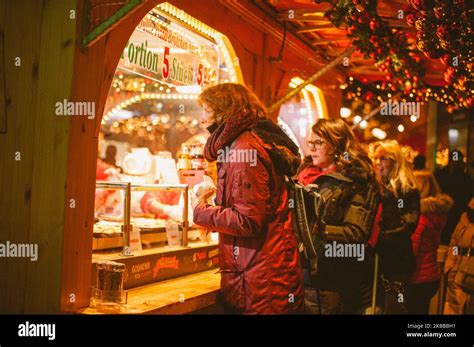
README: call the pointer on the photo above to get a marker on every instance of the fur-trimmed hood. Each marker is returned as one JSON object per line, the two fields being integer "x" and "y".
{"x": 440, "y": 204}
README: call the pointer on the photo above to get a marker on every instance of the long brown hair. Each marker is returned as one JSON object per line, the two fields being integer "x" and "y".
{"x": 347, "y": 150}
{"x": 228, "y": 99}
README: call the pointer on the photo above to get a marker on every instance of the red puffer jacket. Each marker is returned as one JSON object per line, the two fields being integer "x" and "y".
{"x": 260, "y": 264}
{"x": 425, "y": 239}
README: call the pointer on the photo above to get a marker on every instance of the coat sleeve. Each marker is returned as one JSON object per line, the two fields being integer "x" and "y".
{"x": 358, "y": 219}
{"x": 246, "y": 215}
{"x": 417, "y": 237}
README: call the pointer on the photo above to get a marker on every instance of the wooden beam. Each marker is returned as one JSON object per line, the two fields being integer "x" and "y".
{"x": 325, "y": 42}
{"x": 293, "y": 16}
{"x": 319, "y": 27}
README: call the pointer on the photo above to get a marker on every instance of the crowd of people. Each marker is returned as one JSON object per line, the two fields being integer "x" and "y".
{"x": 416, "y": 228}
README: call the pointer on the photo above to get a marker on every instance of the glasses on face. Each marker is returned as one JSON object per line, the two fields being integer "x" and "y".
{"x": 316, "y": 144}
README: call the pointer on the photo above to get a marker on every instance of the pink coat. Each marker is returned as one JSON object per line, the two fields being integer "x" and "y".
{"x": 425, "y": 239}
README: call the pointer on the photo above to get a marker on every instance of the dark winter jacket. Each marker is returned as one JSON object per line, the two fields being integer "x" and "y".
{"x": 399, "y": 220}
{"x": 350, "y": 198}
{"x": 459, "y": 267}
{"x": 457, "y": 184}
{"x": 258, "y": 256}
{"x": 425, "y": 239}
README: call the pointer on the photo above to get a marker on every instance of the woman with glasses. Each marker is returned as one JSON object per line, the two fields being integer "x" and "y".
{"x": 397, "y": 221}
{"x": 345, "y": 180}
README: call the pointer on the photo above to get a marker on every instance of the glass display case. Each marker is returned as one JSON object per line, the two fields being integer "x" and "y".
{"x": 152, "y": 247}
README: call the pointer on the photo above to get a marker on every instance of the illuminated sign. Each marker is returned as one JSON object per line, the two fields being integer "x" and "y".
{"x": 165, "y": 52}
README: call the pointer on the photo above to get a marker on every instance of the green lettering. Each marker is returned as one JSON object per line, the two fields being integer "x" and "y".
{"x": 131, "y": 53}
{"x": 155, "y": 62}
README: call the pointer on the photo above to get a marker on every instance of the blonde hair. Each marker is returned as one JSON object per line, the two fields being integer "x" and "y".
{"x": 427, "y": 184}
{"x": 401, "y": 178}
{"x": 229, "y": 99}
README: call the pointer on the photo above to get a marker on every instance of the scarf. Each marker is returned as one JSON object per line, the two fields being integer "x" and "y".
{"x": 309, "y": 174}
{"x": 283, "y": 152}
{"x": 226, "y": 133}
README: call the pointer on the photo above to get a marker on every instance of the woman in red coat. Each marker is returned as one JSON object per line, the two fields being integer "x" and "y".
{"x": 258, "y": 256}
{"x": 434, "y": 208}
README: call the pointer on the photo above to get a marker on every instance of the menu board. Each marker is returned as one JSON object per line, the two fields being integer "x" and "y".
{"x": 166, "y": 52}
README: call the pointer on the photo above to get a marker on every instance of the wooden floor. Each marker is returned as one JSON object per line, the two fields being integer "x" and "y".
{"x": 176, "y": 296}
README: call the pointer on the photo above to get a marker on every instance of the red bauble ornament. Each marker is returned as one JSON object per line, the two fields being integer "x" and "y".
{"x": 351, "y": 30}
{"x": 441, "y": 32}
{"x": 373, "y": 39}
{"x": 373, "y": 24}
{"x": 420, "y": 35}
{"x": 449, "y": 75}
{"x": 446, "y": 59}
{"x": 411, "y": 19}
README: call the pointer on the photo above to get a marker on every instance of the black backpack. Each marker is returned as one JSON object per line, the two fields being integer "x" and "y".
{"x": 305, "y": 202}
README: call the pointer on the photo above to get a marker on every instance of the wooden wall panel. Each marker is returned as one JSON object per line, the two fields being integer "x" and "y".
{"x": 41, "y": 34}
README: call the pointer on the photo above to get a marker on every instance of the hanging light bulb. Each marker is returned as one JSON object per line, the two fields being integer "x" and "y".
{"x": 345, "y": 112}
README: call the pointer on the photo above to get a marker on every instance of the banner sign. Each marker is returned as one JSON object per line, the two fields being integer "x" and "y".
{"x": 166, "y": 52}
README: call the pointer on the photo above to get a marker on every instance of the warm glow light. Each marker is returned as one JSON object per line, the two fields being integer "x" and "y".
{"x": 357, "y": 119}
{"x": 401, "y": 128}
{"x": 363, "y": 124}
{"x": 379, "y": 133}
{"x": 345, "y": 112}
{"x": 413, "y": 118}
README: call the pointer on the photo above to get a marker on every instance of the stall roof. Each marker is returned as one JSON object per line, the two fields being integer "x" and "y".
{"x": 308, "y": 21}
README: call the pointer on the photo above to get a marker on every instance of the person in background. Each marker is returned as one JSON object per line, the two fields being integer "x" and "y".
{"x": 396, "y": 221}
{"x": 110, "y": 155}
{"x": 104, "y": 198}
{"x": 455, "y": 182}
{"x": 419, "y": 163}
{"x": 343, "y": 172}
{"x": 258, "y": 256}
{"x": 434, "y": 207}
{"x": 459, "y": 266}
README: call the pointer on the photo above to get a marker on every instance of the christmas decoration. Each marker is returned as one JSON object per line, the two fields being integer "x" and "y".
{"x": 445, "y": 32}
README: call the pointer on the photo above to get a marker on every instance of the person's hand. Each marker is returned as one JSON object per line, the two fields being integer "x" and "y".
{"x": 202, "y": 198}
{"x": 157, "y": 208}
